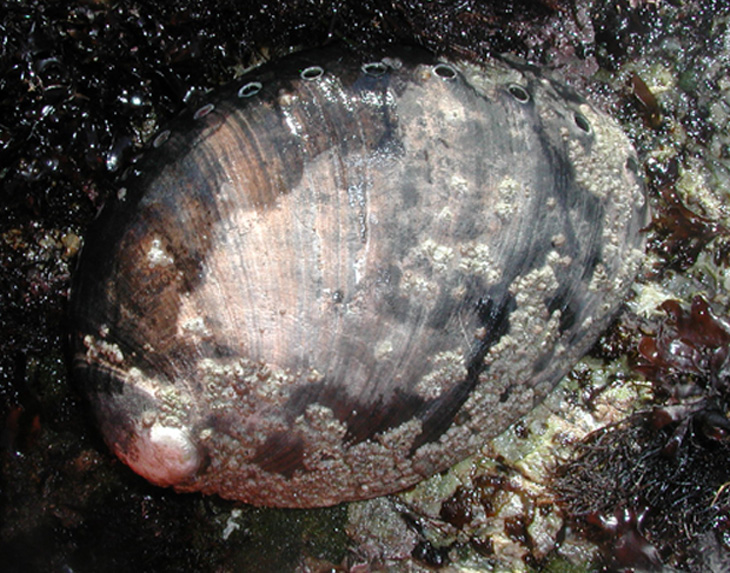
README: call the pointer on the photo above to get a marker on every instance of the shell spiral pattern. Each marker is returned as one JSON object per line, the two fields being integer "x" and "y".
{"x": 340, "y": 277}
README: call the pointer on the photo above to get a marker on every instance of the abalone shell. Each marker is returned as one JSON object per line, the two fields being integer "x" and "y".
{"x": 340, "y": 277}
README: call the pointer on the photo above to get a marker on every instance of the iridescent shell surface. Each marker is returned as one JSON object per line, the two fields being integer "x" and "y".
{"x": 341, "y": 277}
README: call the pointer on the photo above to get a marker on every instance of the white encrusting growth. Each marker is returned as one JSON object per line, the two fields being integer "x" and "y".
{"x": 157, "y": 256}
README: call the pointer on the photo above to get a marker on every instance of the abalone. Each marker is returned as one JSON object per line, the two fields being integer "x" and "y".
{"x": 339, "y": 277}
